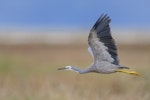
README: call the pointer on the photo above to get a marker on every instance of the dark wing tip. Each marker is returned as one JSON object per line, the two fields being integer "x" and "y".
{"x": 102, "y": 22}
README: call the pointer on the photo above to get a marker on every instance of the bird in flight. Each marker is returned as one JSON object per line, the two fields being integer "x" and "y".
{"x": 103, "y": 49}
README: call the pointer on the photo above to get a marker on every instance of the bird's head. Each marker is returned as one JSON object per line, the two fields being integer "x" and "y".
{"x": 66, "y": 68}
{"x": 71, "y": 68}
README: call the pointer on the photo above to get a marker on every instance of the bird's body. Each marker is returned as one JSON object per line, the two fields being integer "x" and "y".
{"x": 100, "y": 67}
{"x": 103, "y": 50}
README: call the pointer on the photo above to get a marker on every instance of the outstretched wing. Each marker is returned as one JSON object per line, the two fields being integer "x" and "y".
{"x": 101, "y": 42}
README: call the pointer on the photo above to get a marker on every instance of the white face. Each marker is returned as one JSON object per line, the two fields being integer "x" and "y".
{"x": 68, "y": 67}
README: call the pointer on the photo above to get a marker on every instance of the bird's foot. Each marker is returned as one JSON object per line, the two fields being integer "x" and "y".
{"x": 129, "y": 72}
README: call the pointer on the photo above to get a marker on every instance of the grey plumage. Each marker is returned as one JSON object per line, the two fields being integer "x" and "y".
{"x": 103, "y": 49}
{"x": 101, "y": 32}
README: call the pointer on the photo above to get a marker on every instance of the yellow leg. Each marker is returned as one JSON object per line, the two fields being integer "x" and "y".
{"x": 128, "y": 72}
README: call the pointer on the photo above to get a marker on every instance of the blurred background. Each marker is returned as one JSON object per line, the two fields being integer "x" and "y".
{"x": 39, "y": 36}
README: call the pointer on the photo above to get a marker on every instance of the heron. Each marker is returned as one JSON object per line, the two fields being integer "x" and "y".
{"x": 103, "y": 49}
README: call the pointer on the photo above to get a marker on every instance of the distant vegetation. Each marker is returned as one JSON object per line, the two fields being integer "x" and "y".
{"x": 28, "y": 72}
{"x": 71, "y": 36}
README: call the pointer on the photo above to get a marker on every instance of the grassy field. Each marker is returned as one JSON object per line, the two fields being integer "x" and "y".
{"x": 28, "y": 72}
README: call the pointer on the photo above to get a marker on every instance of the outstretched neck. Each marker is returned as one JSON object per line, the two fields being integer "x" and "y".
{"x": 82, "y": 71}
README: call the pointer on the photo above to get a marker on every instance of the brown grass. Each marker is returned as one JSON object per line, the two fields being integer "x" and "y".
{"x": 28, "y": 72}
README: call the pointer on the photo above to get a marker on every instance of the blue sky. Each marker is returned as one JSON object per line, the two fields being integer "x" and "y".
{"x": 73, "y": 13}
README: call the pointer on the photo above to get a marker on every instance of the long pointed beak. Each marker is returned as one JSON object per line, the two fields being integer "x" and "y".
{"x": 61, "y": 68}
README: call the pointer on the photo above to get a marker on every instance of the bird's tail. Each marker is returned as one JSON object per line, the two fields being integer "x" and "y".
{"x": 123, "y": 67}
